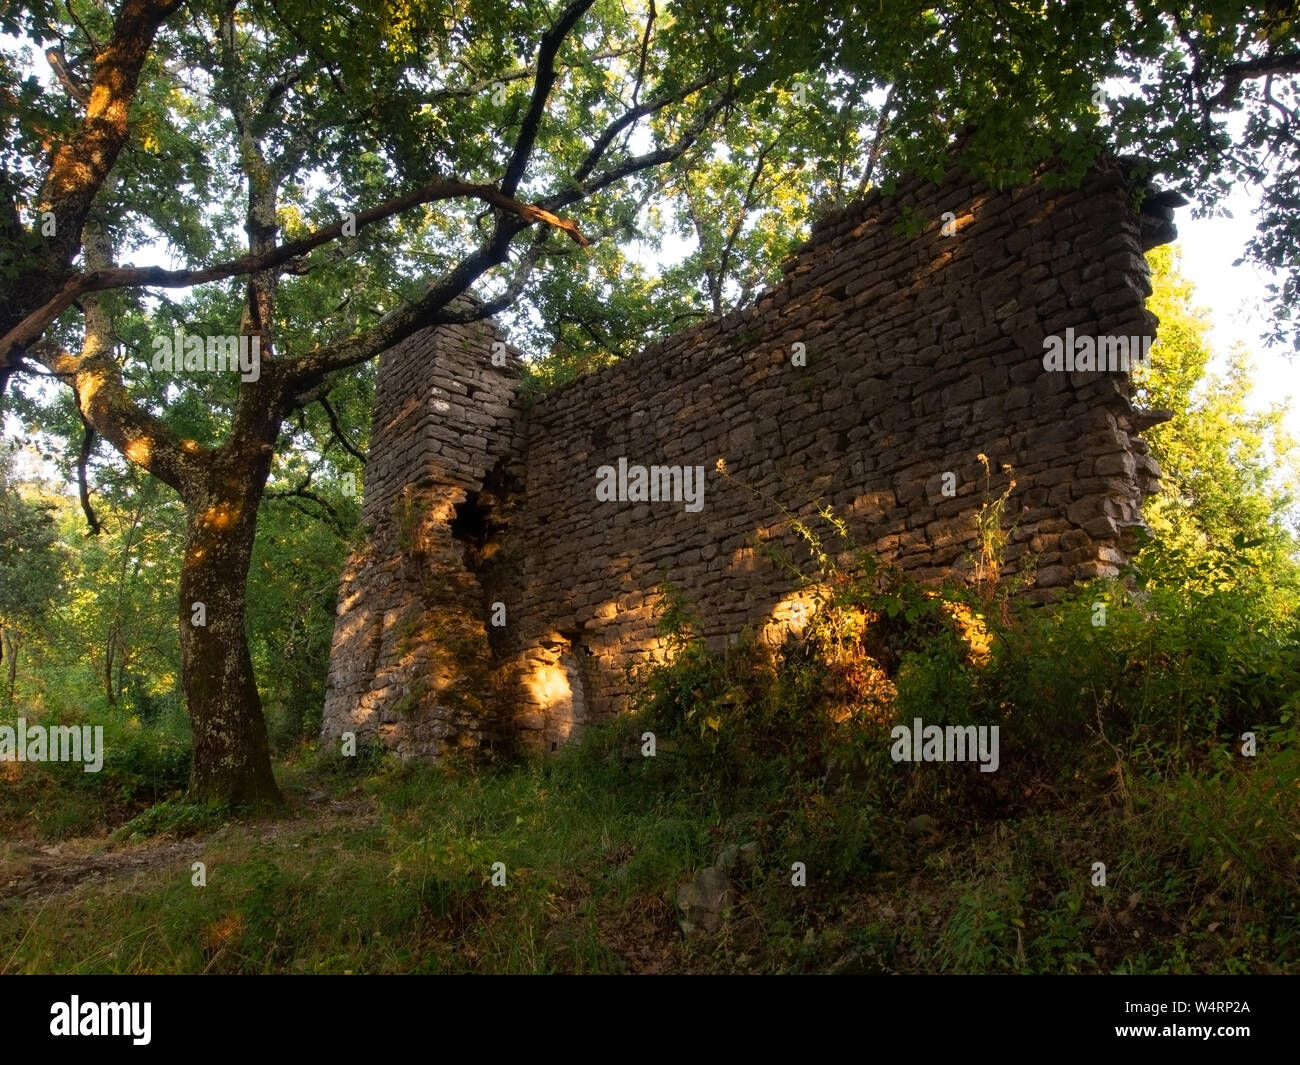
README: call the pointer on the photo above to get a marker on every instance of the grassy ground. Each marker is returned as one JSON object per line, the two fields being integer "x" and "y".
{"x": 381, "y": 868}
{"x": 1122, "y": 745}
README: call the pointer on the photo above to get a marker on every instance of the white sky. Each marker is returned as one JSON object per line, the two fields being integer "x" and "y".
{"x": 1234, "y": 297}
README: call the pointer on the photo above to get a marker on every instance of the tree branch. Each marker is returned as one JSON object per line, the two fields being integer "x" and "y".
{"x": 80, "y": 165}
{"x": 745, "y": 207}
{"x": 877, "y": 142}
{"x": 104, "y": 403}
{"x": 542, "y": 84}
{"x": 54, "y": 56}
{"x": 338, "y": 430}
{"x": 633, "y": 114}
{"x": 305, "y": 371}
{"x": 487, "y": 308}
{"x": 102, "y": 398}
{"x": 30, "y": 328}
{"x": 645, "y": 51}
{"x": 83, "y": 488}
{"x": 1236, "y": 73}
{"x": 302, "y": 491}
{"x": 581, "y": 189}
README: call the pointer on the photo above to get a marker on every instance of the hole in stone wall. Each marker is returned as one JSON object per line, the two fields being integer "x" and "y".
{"x": 470, "y": 527}
{"x": 479, "y": 521}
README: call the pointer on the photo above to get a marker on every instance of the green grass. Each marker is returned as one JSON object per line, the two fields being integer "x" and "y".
{"x": 143, "y": 765}
{"x": 1119, "y": 746}
{"x": 1201, "y": 877}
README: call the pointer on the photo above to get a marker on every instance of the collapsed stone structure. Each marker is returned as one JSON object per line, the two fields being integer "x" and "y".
{"x": 508, "y": 585}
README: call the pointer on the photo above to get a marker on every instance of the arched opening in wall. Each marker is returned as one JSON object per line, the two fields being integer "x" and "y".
{"x": 556, "y": 686}
{"x": 571, "y": 715}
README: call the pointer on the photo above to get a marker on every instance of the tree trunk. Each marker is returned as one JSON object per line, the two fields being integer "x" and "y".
{"x": 108, "y": 666}
{"x": 232, "y": 757}
{"x": 122, "y": 662}
{"x": 12, "y": 643}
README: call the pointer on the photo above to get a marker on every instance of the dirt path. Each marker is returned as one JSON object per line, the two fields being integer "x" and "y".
{"x": 30, "y": 869}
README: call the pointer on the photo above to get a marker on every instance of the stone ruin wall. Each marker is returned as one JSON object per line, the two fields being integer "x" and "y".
{"x": 923, "y": 352}
{"x": 410, "y": 662}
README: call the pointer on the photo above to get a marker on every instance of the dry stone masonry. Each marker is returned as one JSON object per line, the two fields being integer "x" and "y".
{"x": 516, "y": 556}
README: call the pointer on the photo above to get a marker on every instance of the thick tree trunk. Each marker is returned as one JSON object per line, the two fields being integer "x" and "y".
{"x": 78, "y": 169}
{"x": 232, "y": 758}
